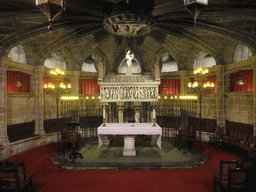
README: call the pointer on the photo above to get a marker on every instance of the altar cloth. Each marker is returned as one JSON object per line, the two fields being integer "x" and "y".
{"x": 129, "y": 129}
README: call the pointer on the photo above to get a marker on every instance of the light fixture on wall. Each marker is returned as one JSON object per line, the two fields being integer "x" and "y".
{"x": 165, "y": 86}
{"x": 51, "y": 8}
{"x": 18, "y": 83}
{"x": 195, "y": 7}
{"x": 240, "y": 82}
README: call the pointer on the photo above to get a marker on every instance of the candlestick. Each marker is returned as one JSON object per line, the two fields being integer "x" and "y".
{"x": 104, "y": 115}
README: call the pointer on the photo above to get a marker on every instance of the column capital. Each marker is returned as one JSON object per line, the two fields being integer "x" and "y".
{"x": 40, "y": 69}
{"x": 76, "y": 74}
{"x": 120, "y": 105}
{"x": 104, "y": 104}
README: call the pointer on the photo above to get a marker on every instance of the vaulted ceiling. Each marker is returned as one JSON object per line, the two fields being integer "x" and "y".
{"x": 79, "y": 32}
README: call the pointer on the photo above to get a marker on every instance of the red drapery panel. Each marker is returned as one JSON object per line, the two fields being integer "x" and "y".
{"x": 15, "y": 76}
{"x": 173, "y": 86}
{"x": 89, "y": 86}
{"x": 247, "y": 76}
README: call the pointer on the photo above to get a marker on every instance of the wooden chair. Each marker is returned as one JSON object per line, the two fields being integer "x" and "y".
{"x": 248, "y": 162}
{"x": 238, "y": 180}
{"x": 14, "y": 177}
{"x": 223, "y": 173}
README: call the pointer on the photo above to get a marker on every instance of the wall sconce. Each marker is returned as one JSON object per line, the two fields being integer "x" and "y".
{"x": 165, "y": 86}
{"x": 18, "y": 84}
{"x": 240, "y": 82}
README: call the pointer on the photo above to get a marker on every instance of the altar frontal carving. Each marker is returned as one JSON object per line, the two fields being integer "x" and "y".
{"x": 128, "y": 93}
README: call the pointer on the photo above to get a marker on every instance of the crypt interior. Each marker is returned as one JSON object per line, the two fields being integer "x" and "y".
{"x": 89, "y": 42}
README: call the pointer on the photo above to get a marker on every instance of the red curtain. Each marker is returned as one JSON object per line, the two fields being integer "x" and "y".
{"x": 173, "y": 86}
{"x": 13, "y": 77}
{"x": 247, "y": 76}
{"x": 89, "y": 86}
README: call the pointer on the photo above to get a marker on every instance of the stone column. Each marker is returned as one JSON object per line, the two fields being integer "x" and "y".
{"x": 254, "y": 99}
{"x": 75, "y": 83}
{"x": 220, "y": 97}
{"x": 37, "y": 84}
{"x": 105, "y": 107}
{"x": 153, "y": 112}
{"x": 137, "y": 108}
{"x": 120, "y": 107}
{"x": 5, "y": 151}
{"x": 75, "y": 91}
{"x": 183, "y": 82}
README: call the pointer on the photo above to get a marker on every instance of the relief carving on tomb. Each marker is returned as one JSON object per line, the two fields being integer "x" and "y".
{"x": 125, "y": 93}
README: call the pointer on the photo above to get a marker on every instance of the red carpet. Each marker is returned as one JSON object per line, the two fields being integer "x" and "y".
{"x": 49, "y": 177}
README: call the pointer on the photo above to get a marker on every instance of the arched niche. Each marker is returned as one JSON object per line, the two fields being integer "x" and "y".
{"x": 204, "y": 60}
{"x": 135, "y": 66}
{"x": 169, "y": 63}
{"x": 241, "y": 53}
{"x": 18, "y": 54}
{"x": 56, "y": 59}
{"x": 88, "y": 65}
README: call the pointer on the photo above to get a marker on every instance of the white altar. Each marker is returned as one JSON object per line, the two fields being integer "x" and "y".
{"x": 129, "y": 130}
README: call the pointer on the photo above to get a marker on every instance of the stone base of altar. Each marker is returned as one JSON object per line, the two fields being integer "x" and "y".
{"x": 148, "y": 157}
{"x": 129, "y": 146}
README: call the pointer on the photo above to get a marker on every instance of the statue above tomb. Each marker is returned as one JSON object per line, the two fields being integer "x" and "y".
{"x": 129, "y": 58}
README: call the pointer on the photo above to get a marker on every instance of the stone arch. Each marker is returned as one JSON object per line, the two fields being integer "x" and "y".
{"x": 18, "y": 54}
{"x": 241, "y": 53}
{"x": 135, "y": 66}
{"x": 89, "y": 64}
{"x": 169, "y": 64}
{"x": 204, "y": 60}
{"x": 56, "y": 59}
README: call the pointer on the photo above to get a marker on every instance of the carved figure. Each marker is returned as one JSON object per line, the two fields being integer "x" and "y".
{"x": 129, "y": 57}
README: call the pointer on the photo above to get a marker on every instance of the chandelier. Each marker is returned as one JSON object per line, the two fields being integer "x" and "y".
{"x": 200, "y": 81}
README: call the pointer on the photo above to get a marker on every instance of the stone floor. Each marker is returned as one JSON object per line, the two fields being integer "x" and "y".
{"x": 147, "y": 157}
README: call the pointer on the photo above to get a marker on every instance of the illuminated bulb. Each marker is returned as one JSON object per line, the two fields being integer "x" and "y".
{"x": 99, "y": 97}
{"x": 45, "y": 86}
{"x": 212, "y": 84}
{"x": 159, "y": 97}
{"x": 208, "y": 84}
{"x": 175, "y": 97}
{"x": 69, "y": 85}
{"x": 92, "y": 97}
{"x": 205, "y": 85}
{"x": 51, "y": 72}
{"x": 53, "y": 87}
{"x": 49, "y": 85}
{"x": 206, "y": 70}
{"x": 165, "y": 97}
{"x": 171, "y": 97}
{"x": 64, "y": 87}
{"x": 189, "y": 84}
{"x": 62, "y": 73}
{"x": 87, "y": 97}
